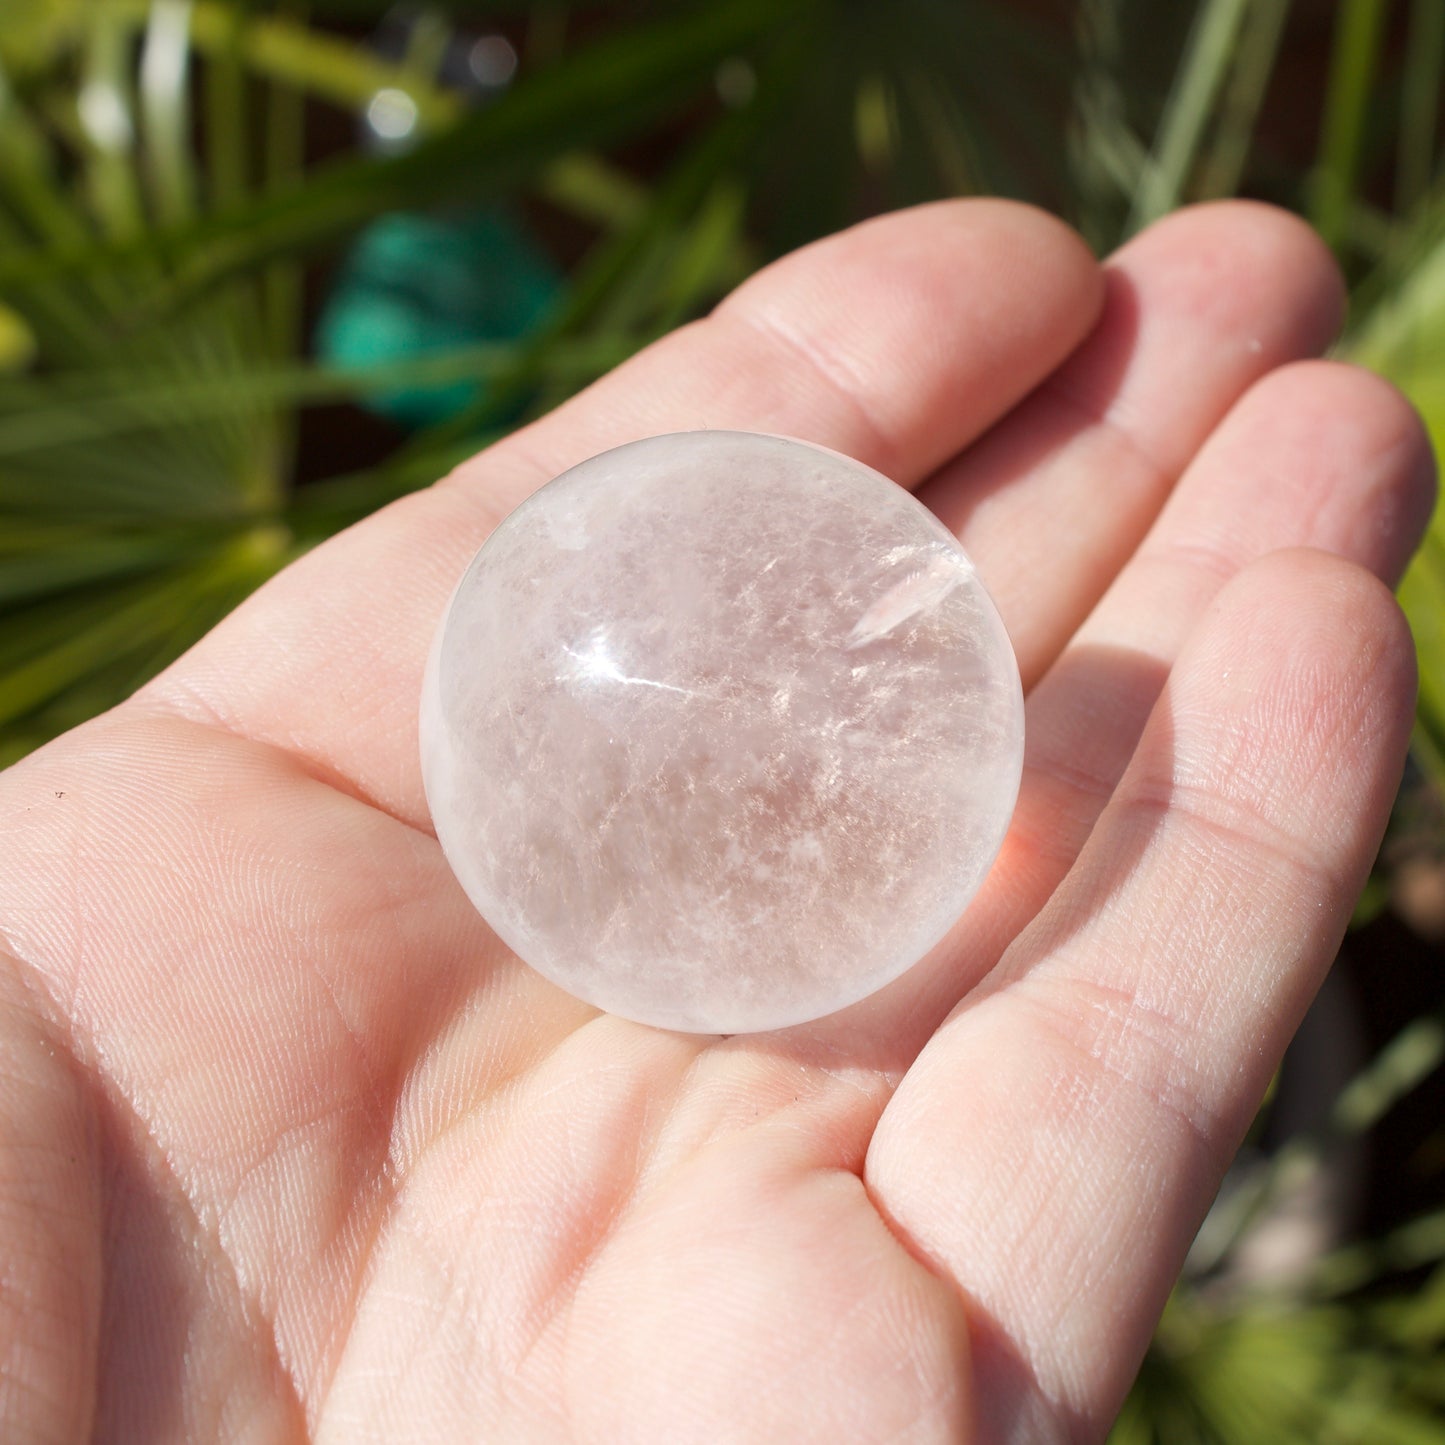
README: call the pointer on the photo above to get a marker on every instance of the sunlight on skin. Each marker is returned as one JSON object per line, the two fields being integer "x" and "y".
{"x": 292, "y": 1148}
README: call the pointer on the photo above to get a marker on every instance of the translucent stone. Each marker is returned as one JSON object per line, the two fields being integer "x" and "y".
{"x": 721, "y": 732}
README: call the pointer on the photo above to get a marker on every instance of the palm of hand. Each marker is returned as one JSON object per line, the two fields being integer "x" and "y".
{"x": 292, "y": 1147}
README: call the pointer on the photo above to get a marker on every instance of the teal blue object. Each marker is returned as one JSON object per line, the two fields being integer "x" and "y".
{"x": 417, "y": 284}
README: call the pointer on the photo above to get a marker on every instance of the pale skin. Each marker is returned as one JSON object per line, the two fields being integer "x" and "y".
{"x": 291, "y": 1148}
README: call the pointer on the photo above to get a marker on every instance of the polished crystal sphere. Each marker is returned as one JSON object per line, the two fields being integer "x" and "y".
{"x": 720, "y": 731}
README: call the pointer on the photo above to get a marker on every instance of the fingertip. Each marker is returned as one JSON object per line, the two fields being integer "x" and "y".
{"x": 934, "y": 321}
{"x": 1290, "y": 240}
{"x": 1392, "y": 424}
{"x": 1311, "y": 660}
{"x": 979, "y": 248}
{"x": 1001, "y": 231}
{"x": 1350, "y": 452}
{"x": 1306, "y": 599}
{"x": 1356, "y": 604}
{"x": 1260, "y": 260}
{"x": 1030, "y": 233}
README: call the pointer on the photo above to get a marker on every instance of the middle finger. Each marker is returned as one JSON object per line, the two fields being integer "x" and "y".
{"x": 1055, "y": 498}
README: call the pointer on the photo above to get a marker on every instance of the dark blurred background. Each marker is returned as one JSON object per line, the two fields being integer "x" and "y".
{"x": 266, "y": 266}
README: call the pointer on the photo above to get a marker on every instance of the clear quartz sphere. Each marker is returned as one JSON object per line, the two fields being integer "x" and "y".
{"x": 721, "y": 732}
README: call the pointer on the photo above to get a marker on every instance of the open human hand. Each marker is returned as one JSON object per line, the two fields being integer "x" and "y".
{"x": 290, "y": 1147}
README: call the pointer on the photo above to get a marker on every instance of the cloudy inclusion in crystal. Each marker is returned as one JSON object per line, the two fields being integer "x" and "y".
{"x": 721, "y": 731}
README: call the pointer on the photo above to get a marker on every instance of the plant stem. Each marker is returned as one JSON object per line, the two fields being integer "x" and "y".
{"x": 1239, "y": 109}
{"x": 1353, "y": 60}
{"x": 1207, "y": 55}
{"x": 1419, "y": 104}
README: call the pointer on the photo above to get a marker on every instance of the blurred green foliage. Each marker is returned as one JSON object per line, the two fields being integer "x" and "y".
{"x": 159, "y": 203}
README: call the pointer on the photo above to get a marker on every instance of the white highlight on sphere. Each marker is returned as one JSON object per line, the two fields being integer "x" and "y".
{"x": 721, "y": 731}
